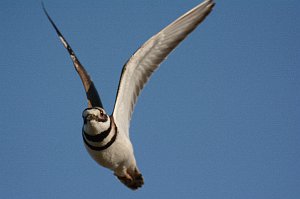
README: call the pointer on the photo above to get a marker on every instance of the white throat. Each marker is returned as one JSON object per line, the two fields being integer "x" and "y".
{"x": 94, "y": 127}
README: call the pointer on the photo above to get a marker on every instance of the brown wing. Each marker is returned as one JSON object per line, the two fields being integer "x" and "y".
{"x": 91, "y": 92}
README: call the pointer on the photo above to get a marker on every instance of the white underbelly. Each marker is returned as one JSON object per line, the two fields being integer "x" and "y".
{"x": 119, "y": 154}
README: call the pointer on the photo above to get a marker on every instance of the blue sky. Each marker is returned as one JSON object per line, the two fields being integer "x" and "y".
{"x": 219, "y": 119}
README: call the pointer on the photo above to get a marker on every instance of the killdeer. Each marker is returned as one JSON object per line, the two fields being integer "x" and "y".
{"x": 106, "y": 137}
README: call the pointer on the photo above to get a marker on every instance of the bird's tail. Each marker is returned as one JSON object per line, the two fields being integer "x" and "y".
{"x": 134, "y": 180}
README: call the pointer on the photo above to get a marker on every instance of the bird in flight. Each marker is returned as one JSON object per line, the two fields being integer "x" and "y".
{"x": 106, "y": 137}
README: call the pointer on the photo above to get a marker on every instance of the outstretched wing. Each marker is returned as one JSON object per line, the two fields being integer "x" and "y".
{"x": 143, "y": 63}
{"x": 91, "y": 92}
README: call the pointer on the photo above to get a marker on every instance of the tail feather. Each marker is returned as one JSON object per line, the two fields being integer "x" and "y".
{"x": 134, "y": 181}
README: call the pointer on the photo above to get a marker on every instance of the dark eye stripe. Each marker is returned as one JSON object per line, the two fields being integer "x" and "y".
{"x": 101, "y": 110}
{"x": 98, "y": 108}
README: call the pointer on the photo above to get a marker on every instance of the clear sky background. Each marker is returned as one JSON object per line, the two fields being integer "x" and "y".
{"x": 219, "y": 119}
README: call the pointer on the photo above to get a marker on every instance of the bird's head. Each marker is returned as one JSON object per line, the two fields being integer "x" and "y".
{"x": 95, "y": 120}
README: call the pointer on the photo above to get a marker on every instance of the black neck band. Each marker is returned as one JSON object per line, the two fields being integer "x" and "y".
{"x": 101, "y": 148}
{"x": 97, "y": 138}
